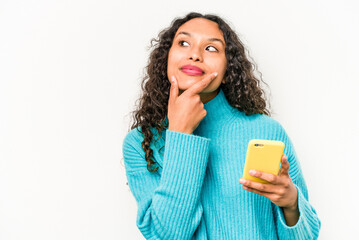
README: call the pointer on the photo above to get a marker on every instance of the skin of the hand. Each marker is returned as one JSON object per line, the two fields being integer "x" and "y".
{"x": 186, "y": 111}
{"x": 280, "y": 189}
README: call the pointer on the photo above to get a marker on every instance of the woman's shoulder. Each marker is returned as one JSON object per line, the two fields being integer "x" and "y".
{"x": 132, "y": 142}
{"x": 136, "y": 135}
{"x": 133, "y": 136}
{"x": 270, "y": 121}
{"x": 134, "y": 155}
{"x": 258, "y": 119}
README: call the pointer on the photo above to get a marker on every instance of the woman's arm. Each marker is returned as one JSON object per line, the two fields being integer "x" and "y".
{"x": 291, "y": 215}
{"x": 294, "y": 216}
{"x": 168, "y": 205}
{"x": 308, "y": 224}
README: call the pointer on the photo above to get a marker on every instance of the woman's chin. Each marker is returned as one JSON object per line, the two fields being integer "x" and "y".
{"x": 184, "y": 85}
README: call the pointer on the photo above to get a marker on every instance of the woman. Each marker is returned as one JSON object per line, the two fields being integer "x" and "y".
{"x": 184, "y": 156}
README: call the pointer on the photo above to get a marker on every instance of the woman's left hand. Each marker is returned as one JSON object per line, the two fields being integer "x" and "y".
{"x": 280, "y": 189}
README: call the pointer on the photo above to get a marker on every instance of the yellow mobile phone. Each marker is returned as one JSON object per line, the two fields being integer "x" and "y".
{"x": 263, "y": 155}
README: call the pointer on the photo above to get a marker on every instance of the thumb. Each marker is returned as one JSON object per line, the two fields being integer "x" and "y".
{"x": 173, "y": 90}
{"x": 285, "y": 166}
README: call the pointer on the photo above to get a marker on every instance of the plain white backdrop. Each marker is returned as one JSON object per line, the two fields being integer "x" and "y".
{"x": 70, "y": 73}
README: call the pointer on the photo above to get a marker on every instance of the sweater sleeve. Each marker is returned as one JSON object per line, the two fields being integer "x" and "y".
{"x": 308, "y": 224}
{"x": 169, "y": 205}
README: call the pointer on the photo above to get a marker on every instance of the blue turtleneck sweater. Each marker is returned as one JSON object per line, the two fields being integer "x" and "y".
{"x": 195, "y": 194}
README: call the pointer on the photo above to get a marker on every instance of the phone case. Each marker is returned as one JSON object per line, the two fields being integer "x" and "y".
{"x": 263, "y": 155}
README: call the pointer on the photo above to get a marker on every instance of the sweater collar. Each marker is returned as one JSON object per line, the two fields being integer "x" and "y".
{"x": 218, "y": 108}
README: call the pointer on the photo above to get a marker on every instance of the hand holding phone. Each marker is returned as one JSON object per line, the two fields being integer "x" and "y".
{"x": 264, "y": 156}
{"x": 279, "y": 189}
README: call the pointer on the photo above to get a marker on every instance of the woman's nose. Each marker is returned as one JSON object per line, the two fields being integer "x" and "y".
{"x": 195, "y": 55}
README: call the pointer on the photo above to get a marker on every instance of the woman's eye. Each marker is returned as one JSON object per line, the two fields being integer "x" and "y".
{"x": 212, "y": 49}
{"x": 183, "y": 43}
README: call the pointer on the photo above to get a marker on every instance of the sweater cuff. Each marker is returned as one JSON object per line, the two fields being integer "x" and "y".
{"x": 305, "y": 228}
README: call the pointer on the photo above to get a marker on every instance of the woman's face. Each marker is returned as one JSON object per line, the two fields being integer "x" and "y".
{"x": 198, "y": 49}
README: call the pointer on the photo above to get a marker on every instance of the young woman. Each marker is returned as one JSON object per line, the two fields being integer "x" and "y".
{"x": 185, "y": 153}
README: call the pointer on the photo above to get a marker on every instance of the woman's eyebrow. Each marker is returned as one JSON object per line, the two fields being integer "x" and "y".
{"x": 209, "y": 39}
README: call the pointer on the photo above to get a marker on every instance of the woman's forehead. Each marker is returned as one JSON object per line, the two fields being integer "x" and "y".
{"x": 201, "y": 26}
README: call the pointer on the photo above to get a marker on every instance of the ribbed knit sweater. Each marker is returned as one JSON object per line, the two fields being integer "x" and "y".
{"x": 195, "y": 194}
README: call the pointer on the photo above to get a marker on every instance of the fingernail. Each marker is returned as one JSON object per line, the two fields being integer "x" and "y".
{"x": 215, "y": 74}
{"x": 252, "y": 172}
{"x": 242, "y": 181}
{"x": 173, "y": 79}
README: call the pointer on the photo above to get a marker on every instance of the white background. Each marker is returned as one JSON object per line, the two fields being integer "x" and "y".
{"x": 69, "y": 77}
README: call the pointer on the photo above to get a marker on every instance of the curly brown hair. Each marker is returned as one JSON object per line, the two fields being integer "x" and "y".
{"x": 241, "y": 88}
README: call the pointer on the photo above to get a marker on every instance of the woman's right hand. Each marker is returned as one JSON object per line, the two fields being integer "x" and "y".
{"x": 186, "y": 111}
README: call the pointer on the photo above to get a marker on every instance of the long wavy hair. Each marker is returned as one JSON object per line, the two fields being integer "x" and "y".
{"x": 241, "y": 88}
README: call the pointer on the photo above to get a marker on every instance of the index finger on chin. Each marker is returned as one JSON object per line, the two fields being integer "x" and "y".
{"x": 198, "y": 87}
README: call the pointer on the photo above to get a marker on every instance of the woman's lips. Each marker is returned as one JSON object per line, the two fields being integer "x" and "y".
{"x": 192, "y": 70}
